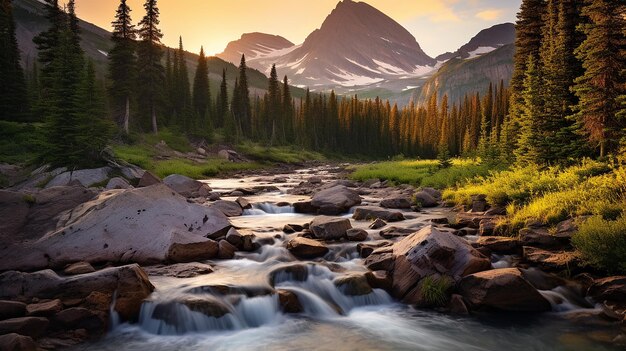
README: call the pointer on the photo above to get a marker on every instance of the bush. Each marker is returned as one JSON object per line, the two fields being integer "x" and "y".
{"x": 602, "y": 243}
{"x": 436, "y": 290}
{"x": 20, "y": 142}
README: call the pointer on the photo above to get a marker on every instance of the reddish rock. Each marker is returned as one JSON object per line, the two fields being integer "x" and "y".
{"x": 45, "y": 308}
{"x": 289, "y": 302}
{"x": 306, "y": 248}
{"x": 16, "y": 342}
{"x": 29, "y": 326}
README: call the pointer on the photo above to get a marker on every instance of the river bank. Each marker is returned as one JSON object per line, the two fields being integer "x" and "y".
{"x": 276, "y": 265}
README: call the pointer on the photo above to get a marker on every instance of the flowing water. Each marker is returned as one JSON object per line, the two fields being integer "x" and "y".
{"x": 236, "y": 307}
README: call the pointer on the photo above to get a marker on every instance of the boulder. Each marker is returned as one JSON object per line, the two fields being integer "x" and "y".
{"x": 132, "y": 173}
{"x": 479, "y": 203}
{"x": 436, "y": 194}
{"x": 230, "y": 155}
{"x": 14, "y": 208}
{"x": 457, "y": 305}
{"x": 226, "y": 250}
{"x": 16, "y": 342}
{"x": 79, "y": 317}
{"x": 381, "y": 259}
{"x": 377, "y": 224}
{"x": 186, "y": 186}
{"x": 148, "y": 179}
{"x": 353, "y": 284}
{"x": 289, "y": 302}
{"x": 244, "y": 203}
{"x": 551, "y": 260}
{"x": 243, "y": 241}
{"x": 330, "y": 228}
{"x": 117, "y": 183}
{"x": 356, "y": 234}
{"x": 379, "y": 280}
{"x": 609, "y": 289}
{"x": 129, "y": 283}
{"x": 395, "y": 232}
{"x": 424, "y": 199}
{"x": 366, "y": 249}
{"x": 315, "y": 180}
{"x": 180, "y": 270}
{"x": 79, "y": 268}
{"x": 144, "y": 225}
{"x": 228, "y": 208}
{"x": 29, "y": 326}
{"x": 372, "y": 212}
{"x": 86, "y": 177}
{"x": 503, "y": 289}
{"x": 501, "y": 244}
{"x": 12, "y": 309}
{"x": 541, "y": 237}
{"x": 304, "y": 207}
{"x": 398, "y": 202}
{"x": 292, "y": 272}
{"x": 335, "y": 200}
{"x": 44, "y": 309}
{"x": 306, "y": 248}
{"x": 429, "y": 252}
{"x": 487, "y": 227}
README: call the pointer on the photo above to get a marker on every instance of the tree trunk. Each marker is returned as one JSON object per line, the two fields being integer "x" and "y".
{"x": 127, "y": 115}
{"x": 155, "y": 129}
{"x": 602, "y": 149}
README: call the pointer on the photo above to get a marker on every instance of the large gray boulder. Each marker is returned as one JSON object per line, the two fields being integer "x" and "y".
{"x": 425, "y": 199}
{"x": 145, "y": 225}
{"x": 86, "y": 177}
{"x": 14, "y": 208}
{"x": 502, "y": 289}
{"x": 228, "y": 208}
{"x": 186, "y": 186}
{"x": 335, "y": 200}
{"x": 329, "y": 228}
{"x": 426, "y": 253}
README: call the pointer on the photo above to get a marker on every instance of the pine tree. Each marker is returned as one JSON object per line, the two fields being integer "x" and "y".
{"x": 73, "y": 22}
{"x": 13, "y": 95}
{"x": 529, "y": 150}
{"x": 122, "y": 65}
{"x": 231, "y": 129}
{"x": 600, "y": 87}
{"x": 202, "y": 92}
{"x": 288, "y": 112}
{"x": 150, "y": 72}
{"x": 242, "y": 103}
{"x": 222, "y": 102}
{"x": 275, "y": 123}
{"x": 182, "y": 100}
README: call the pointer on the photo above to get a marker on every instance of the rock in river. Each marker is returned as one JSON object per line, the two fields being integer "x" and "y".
{"x": 306, "y": 248}
{"x": 329, "y": 228}
{"x": 336, "y": 200}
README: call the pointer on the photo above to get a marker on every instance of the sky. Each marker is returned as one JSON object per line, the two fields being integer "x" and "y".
{"x": 438, "y": 25}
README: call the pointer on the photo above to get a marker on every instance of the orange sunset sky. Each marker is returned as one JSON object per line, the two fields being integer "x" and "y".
{"x": 438, "y": 25}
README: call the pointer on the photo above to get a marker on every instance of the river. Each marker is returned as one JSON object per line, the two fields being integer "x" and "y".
{"x": 331, "y": 319}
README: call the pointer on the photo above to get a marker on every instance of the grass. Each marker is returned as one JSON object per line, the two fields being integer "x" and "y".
{"x": 422, "y": 172}
{"x": 20, "y": 143}
{"x": 602, "y": 243}
{"x": 435, "y": 290}
{"x": 210, "y": 168}
{"x": 281, "y": 154}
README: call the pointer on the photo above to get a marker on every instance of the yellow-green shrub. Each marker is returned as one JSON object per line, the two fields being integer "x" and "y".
{"x": 602, "y": 243}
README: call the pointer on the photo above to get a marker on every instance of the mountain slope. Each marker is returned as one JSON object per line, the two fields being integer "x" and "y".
{"x": 254, "y": 46}
{"x": 484, "y": 42}
{"x": 460, "y": 76}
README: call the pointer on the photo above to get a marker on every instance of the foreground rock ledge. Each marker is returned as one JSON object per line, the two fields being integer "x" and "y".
{"x": 146, "y": 225}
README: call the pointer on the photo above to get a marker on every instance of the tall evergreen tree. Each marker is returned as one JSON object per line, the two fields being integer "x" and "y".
{"x": 182, "y": 99}
{"x": 13, "y": 95}
{"x": 222, "y": 102}
{"x": 529, "y": 150}
{"x": 242, "y": 103}
{"x": 150, "y": 72}
{"x": 288, "y": 111}
{"x": 122, "y": 65}
{"x": 73, "y": 22}
{"x": 275, "y": 123}
{"x": 202, "y": 92}
{"x": 600, "y": 87}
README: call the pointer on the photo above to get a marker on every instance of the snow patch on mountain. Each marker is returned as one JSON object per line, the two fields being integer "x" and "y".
{"x": 480, "y": 51}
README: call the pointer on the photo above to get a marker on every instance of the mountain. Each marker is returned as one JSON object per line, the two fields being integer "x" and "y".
{"x": 30, "y": 20}
{"x": 487, "y": 40}
{"x": 254, "y": 46}
{"x": 356, "y": 45}
{"x": 459, "y": 76}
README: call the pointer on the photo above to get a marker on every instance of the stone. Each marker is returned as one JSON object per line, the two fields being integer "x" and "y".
{"x": 201, "y": 151}
{"x": 132, "y": 173}
{"x": 28, "y": 326}
{"x": 315, "y": 180}
{"x": 148, "y": 179}
{"x": 44, "y": 309}
{"x": 244, "y": 203}
{"x": 427, "y": 252}
{"x": 86, "y": 177}
{"x": 381, "y": 259}
{"x": 129, "y": 283}
{"x": 377, "y": 224}
{"x": 289, "y": 302}
{"x": 213, "y": 196}
{"x": 479, "y": 203}
{"x": 228, "y": 208}
{"x": 399, "y": 202}
{"x": 335, "y": 200}
{"x": 500, "y": 244}
{"x": 14, "y": 209}
{"x": 496, "y": 211}
{"x": 371, "y": 212}
{"x": 16, "y": 342}
{"x": 424, "y": 199}
{"x": 609, "y": 289}
{"x": 356, "y": 234}
{"x": 487, "y": 227}
{"x": 379, "y": 280}
{"x": 366, "y": 249}
{"x": 436, "y": 194}
{"x": 235, "y": 238}
{"x": 226, "y": 250}
{"x": 304, "y": 207}
{"x": 78, "y": 268}
{"x": 306, "y": 248}
{"x": 353, "y": 285}
{"x": 440, "y": 220}
{"x": 502, "y": 289}
{"x": 12, "y": 309}
{"x": 186, "y": 186}
{"x": 144, "y": 225}
{"x": 78, "y": 317}
{"x": 465, "y": 231}
{"x": 330, "y": 228}
{"x": 291, "y": 272}
{"x": 457, "y": 305}
{"x": 550, "y": 260}
{"x": 180, "y": 270}
{"x": 395, "y": 232}
{"x": 230, "y": 155}
{"x": 117, "y": 183}
{"x": 541, "y": 237}
{"x": 288, "y": 229}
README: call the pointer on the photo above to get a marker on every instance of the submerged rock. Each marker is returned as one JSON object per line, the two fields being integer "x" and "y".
{"x": 289, "y": 302}
{"x": 356, "y": 234}
{"x": 503, "y": 289}
{"x": 180, "y": 270}
{"x": 353, "y": 284}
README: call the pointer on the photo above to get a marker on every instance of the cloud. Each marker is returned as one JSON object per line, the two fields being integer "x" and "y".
{"x": 489, "y": 15}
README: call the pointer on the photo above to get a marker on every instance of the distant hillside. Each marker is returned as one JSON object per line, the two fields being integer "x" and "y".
{"x": 30, "y": 21}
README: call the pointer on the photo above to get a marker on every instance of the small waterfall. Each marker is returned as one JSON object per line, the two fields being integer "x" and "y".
{"x": 264, "y": 208}
{"x": 114, "y": 317}
{"x": 563, "y": 299}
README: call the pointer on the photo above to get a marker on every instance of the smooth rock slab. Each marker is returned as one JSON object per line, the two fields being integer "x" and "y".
{"x": 86, "y": 177}
{"x": 335, "y": 200}
{"x": 228, "y": 208}
{"x": 45, "y": 308}
{"x": 186, "y": 186}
